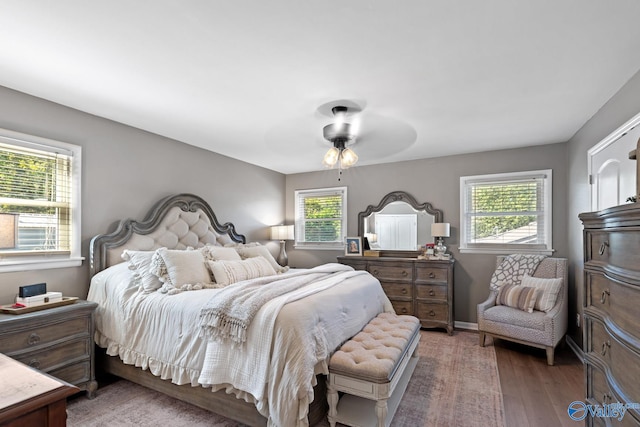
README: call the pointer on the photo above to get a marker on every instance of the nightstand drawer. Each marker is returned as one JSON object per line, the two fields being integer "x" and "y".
{"x": 56, "y": 356}
{"x": 78, "y": 373}
{"x": 44, "y": 334}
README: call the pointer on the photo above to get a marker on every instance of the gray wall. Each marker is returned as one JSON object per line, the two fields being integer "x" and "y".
{"x": 438, "y": 181}
{"x": 126, "y": 170}
{"x": 620, "y": 108}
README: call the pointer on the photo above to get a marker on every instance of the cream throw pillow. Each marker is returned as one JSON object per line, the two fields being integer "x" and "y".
{"x": 228, "y": 272}
{"x": 260, "y": 251}
{"x": 219, "y": 253}
{"x": 140, "y": 265}
{"x": 548, "y": 291}
{"x": 179, "y": 267}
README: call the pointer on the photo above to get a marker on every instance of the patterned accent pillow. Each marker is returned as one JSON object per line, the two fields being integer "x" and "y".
{"x": 548, "y": 291}
{"x": 228, "y": 272}
{"x": 517, "y": 296}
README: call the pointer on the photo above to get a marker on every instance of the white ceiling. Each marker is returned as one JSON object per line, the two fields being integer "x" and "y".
{"x": 246, "y": 78}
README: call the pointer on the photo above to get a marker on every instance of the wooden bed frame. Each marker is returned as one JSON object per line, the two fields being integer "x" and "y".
{"x": 101, "y": 253}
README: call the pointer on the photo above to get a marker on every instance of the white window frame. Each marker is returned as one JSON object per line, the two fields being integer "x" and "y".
{"x": 495, "y": 248}
{"x": 43, "y": 260}
{"x": 299, "y": 222}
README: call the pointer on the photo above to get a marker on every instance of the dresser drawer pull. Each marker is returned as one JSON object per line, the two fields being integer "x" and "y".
{"x": 431, "y": 292}
{"x": 432, "y": 313}
{"x": 375, "y": 272}
{"x": 404, "y": 273}
{"x": 33, "y": 339}
{"x": 603, "y": 297}
{"x": 606, "y": 397}
{"x": 34, "y": 363}
{"x": 432, "y": 275}
{"x": 605, "y": 347}
{"x": 404, "y": 310}
{"x": 603, "y": 248}
{"x": 405, "y": 291}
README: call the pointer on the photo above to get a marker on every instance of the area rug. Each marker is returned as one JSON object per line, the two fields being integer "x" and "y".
{"x": 455, "y": 383}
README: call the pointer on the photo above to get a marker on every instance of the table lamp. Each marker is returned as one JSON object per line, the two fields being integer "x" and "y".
{"x": 440, "y": 230}
{"x": 282, "y": 233}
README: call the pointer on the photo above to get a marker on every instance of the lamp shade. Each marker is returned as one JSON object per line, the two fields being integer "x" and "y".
{"x": 8, "y": 223}
{"x": 440, "y": 229}
{"x": 282, "y": 232}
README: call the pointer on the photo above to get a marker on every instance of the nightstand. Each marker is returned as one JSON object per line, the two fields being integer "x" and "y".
{"x": 58, "y": 341}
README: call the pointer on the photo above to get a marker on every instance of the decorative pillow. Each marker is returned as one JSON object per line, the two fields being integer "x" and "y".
{"x": 219, "y": 253}
{"x": 177, "y": 267}
{"x": 517, "y": 296}
{"x": 548, "y": 290}
{"x": 140, "y": 264}
{"x": 262, "y": 251}
{"x": 228, "y": 272}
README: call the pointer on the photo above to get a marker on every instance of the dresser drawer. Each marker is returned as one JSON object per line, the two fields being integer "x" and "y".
{"x": 57, "y": 355}
{"x": 432, "y": 274}
{"x": 432, "y": 311}
{"x": 617, "y": 248}
{"x": 434, "y": 292}
{"x": 402, "y": 307}
{"x": 44, "y": 334}
{"x": 599, "y": 393}
{"x": 616, "y": 300}
{"x": 397, "y": 290}
{"x": 77, "y": 373}
{"x": 392, "y": 271}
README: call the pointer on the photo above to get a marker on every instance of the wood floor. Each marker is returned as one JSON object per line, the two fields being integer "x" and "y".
{"x": 535, "y": 394}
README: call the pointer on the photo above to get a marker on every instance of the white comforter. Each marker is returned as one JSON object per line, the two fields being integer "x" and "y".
{"x": 160, "y": 333}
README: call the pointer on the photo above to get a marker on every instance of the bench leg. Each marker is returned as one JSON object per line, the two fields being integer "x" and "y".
{"x": 332, "y": 399}
{"x": 381, "y": 412}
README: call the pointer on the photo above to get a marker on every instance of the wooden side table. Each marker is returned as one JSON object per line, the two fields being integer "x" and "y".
{"x": 57, "y": 341}
{"x": 31, "y": 398}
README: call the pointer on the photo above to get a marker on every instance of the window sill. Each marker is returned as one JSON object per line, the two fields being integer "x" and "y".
{"x": 10, "y": 265}
{"x": 319, "y": 247}
{"x": 505, "y": 251}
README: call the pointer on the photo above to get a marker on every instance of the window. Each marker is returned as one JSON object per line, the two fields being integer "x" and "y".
{"x": 39, "y": 203}
{"x": 321, "y": 218}
{"x": 506, "y": 213}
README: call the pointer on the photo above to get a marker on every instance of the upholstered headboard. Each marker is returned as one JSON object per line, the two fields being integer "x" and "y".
{"x": 175, "y": 222}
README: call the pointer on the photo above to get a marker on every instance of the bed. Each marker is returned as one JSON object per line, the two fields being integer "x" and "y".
{"x": 175, "y": 335}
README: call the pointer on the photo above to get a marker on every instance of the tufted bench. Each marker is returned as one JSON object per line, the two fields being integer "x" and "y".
{"x": 373, "y": 369}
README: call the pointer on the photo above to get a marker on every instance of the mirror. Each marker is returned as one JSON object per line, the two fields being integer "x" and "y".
{"x": 398, "y": 223}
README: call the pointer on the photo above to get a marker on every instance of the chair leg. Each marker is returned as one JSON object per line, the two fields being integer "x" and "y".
{"x": 481, "y": 335}
{"x": 550, "y": 356}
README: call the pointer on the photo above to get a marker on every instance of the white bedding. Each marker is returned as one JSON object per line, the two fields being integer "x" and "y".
{"x": 161, "y": 333}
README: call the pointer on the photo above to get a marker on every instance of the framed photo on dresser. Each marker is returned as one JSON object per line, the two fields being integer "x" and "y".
{"x": 353, "y": 246}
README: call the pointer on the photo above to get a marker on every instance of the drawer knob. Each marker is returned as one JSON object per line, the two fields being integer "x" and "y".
{"x": 432, "y": 275}
{"x": 375, "y": 272}
{"x": 404, "y": 310}
{"x": 404, "y": 291}
{"x": 35, "y": 363}
{"x": 431, "y": 292}
{"x": 33, "y": 339}
{"x": 603, "y": 297}
{"x": 432, "y": 313}
{"x": 603, "y": 248}
{"x": 404, "y": 273}
{"x": 605, "y": 347}
{"x": 606, "y": 397}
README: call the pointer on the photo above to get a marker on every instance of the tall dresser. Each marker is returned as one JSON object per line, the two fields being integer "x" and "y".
{"x": 422, "y": 288}
{"x": 612, "y": 310}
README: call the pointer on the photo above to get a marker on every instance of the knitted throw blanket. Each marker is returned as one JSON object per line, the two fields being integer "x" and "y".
{"x": 513, "y": 268}
{"x": 228, "y": 314}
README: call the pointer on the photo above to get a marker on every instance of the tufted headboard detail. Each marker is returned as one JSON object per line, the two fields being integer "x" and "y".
{"x": 175, "y": 222}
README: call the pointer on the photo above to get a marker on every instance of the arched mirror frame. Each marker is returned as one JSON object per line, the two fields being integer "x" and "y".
{"x": 398, "y": 196}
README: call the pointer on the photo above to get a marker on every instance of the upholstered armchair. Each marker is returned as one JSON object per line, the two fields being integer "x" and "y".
{"x": 542, "y": 329}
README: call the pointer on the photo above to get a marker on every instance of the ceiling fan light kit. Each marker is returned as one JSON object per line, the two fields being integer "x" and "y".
{"x": 340, "y": 135}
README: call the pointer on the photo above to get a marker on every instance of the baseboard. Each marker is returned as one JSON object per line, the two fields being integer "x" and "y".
{"x": 466, "y": 325}
{"x": 575, "y": 347}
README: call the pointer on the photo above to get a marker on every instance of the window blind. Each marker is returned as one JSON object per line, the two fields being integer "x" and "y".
{"x": 36, "y": 187}
{"x": 509, "y": 212}
{"x": 320, "y": 217}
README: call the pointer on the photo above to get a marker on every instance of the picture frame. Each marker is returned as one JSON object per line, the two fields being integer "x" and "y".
{"x": 353, "y": 246}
